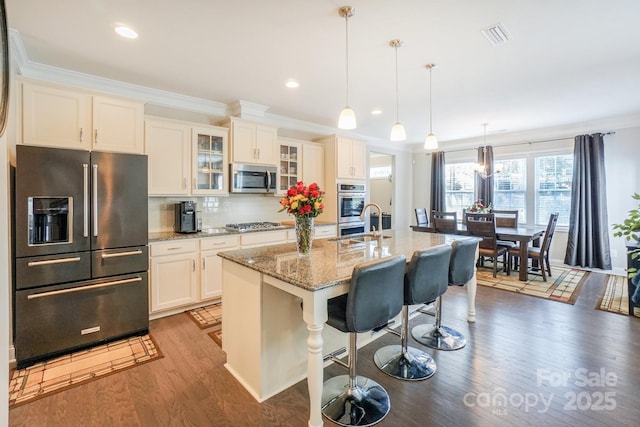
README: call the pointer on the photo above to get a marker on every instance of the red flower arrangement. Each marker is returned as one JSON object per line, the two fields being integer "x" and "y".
{"x": 303, "y": 201}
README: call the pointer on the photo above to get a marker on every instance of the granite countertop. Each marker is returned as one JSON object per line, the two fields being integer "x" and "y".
{"x": 332, "y": 260}
{"x": 158, "y": 236}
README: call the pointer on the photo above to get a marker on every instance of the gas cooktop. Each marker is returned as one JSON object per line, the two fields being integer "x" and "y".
{"x": 250, "y": 226}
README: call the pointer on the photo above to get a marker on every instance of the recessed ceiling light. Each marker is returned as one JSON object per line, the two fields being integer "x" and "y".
{"x": 376, "y": 112}
{"x": 126, "y": 32}
{"x": 291, "y": 84}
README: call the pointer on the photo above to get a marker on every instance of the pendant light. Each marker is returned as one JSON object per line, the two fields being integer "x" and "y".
{"x": 397, "y": 131}
{"x": 482, "y": 168}
{"x": 347, "y": 118}
{"x": 431, "y": 142}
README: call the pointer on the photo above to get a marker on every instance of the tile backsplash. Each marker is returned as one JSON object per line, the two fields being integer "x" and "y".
{"x": 217, "y": 211}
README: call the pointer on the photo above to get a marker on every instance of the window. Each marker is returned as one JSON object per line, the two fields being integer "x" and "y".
{"x": 554, "y": 176}
{"x": 459, "y": 186}
{"x": 536, "y": 184}
{"x": 510, "y": 187}
{"x": 380, "y": 172}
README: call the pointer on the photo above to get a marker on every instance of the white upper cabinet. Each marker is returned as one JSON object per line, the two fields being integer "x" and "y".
{"x": 186, "y": 159}
{"x": 313, "y": 164}
{"x": 351, "y": 158}
{"x": 167, "y": 144}
{"x": 58, "y": 116}
{"x": 252, "y": 142}
{"x": 118, "y": 125}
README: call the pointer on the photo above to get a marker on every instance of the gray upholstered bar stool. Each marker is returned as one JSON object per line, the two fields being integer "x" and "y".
{"x": 375, "y": 297}
{"x": 461, "y": 268}
{"x": 426, "y": 277}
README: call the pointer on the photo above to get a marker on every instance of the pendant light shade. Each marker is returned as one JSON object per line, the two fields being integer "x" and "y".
{"x": 397, "y": 131}
{"x": 431, "y": 142}
{"x": 347, "y": 118}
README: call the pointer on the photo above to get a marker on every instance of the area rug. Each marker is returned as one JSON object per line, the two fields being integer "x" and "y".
{"x": 208, "y": 316}
{"x": 564, "y": 285}
{"x": 614, "y": 297}
{"x": 216, "y": 336}
{"x": 52, "y": 376}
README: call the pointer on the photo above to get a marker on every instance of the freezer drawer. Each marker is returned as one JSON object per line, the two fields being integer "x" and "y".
{"x": 59, "y": 319}
{"x": 38, "y": 271}
{"x": 111, "y": 262}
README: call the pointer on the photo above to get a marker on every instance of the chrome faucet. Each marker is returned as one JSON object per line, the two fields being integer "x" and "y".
{"x": 377, "y": 232}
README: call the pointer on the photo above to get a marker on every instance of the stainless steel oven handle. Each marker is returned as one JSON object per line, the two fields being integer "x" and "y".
{"x": 84, "y": 288}
{"x": 95, "y": 200}
{"x": 85, "y": 204}
{"x": 119, "y": 254}
{"x": 53, "y": 261}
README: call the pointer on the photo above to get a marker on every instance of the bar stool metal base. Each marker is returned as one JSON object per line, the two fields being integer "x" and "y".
{"x": 442, "y": 338}
{"x": 364, "y": 405}
{"x": 412, "y": 364}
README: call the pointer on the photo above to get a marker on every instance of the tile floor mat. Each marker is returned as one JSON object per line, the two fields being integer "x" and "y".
{"x": 208, "y": 316}
{"x": 51, "y": 376}
{"x": 614, "y": 297}
{"x": 564, "y": 285}
{"x": 216, "y": 336}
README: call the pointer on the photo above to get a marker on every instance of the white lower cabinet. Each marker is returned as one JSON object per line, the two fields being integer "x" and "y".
{"x": 211, "y": 264}
{"x": 174, "y": 274}
{"x": 263, "y": 238}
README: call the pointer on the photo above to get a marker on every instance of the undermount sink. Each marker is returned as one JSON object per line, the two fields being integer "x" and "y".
{"x": 360, "y": 238}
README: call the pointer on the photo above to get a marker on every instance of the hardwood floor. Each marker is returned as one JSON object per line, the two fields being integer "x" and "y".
{"x": 520, "y": 348}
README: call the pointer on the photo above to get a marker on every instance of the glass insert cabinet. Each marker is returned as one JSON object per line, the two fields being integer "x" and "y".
{"x": 289, "y": 170}
{"x": 210, "y": 160}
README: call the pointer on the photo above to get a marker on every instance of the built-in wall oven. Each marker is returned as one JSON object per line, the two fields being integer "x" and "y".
{"x": 351, "y": 200}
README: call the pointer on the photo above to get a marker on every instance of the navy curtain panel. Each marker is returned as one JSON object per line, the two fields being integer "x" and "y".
{"x": 438, "y": 199}
{"x": 484, "y": 186}
{"x": 588, "y": 240}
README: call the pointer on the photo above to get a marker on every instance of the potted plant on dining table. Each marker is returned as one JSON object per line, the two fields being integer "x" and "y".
{"x": 305, "y": 203}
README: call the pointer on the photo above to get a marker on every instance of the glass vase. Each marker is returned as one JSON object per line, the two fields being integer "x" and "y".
{"x": 304, "y": 235}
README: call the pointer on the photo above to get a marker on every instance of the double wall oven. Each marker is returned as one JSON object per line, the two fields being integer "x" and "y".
{"x": 351, "y": 201}
{"x": 81, "y": 236}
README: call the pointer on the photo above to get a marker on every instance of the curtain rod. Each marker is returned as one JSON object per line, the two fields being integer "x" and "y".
{"x": 522, "y": 143}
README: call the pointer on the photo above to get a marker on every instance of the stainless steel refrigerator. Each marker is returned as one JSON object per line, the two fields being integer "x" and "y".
{"x": 80, "y": 273}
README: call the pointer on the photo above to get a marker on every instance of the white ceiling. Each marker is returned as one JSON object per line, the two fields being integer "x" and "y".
{"x": 568, "y": 60}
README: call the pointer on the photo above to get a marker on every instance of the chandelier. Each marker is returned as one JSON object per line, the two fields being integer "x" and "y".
{"x": 482, "y": 169}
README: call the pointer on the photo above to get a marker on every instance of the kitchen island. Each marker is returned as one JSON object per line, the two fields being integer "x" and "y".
{"x": 275, "y": 307}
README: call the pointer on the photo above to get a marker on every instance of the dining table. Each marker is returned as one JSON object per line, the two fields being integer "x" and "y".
{"x": 521, "y": 234}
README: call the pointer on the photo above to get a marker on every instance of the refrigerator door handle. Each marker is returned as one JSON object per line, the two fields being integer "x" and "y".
{"x": 95, "y": 200}
{"x": 53, "y": 261}
{"x": 119, "y": 254}
{"x": 85, "y": 204}
{"x": 85, "y": 288}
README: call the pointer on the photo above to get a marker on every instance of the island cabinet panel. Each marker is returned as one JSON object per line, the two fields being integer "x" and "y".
{"x": 211, "y": 264}
{"x": 174, "y": 274}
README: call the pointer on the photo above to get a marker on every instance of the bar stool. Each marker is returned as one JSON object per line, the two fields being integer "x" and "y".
{"x": 461, "y": 268}
{"x": 375, "y": 297}
{"x": 426, "y": 276}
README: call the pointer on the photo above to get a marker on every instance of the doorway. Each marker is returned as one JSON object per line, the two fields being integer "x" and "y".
{"x": 381, "y": 187}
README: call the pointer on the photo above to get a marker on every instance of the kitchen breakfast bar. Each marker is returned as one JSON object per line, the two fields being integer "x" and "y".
{"x": 275, "y": 307}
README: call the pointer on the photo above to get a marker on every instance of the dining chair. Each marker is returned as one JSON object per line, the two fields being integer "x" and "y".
{"x": 506, "y": 218}
{"x": 444, "y": 222}
{"x": 422, "y": 220}
{"x": 484, "y": 226}
{"x": 541, "y": 254}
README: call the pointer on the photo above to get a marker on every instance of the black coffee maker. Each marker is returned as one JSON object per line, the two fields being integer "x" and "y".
{"x": 186, "y": 220}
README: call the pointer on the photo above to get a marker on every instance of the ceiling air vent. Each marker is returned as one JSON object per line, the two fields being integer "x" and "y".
{"x": 497, "y": 34}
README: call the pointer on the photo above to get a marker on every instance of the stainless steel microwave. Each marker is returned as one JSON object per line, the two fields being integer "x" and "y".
{"x": 248, "y": 178}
